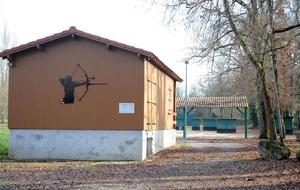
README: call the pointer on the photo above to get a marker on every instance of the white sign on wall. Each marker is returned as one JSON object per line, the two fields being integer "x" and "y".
{"x": 126, "y": 107}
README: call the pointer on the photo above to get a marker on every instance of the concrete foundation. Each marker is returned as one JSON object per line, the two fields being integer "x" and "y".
{"x": 87, "y": 144}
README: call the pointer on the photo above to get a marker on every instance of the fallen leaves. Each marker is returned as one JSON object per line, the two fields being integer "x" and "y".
{"x": 180, "y": 167}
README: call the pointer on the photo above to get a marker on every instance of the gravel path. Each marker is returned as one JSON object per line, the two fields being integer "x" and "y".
{"x": 191, "y": 164}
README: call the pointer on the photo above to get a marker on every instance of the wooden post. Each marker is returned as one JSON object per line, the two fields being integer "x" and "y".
{"x": 221, "y": 113}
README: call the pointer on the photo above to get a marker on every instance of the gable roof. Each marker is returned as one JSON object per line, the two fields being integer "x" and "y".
{"x": 213, "y": 102}
{"x": 73, "y": 31}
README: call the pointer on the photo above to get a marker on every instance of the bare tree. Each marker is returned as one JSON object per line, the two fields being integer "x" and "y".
{"x": 5, "y": 43}
{"x": 179, "y": 91}
{"x": 225, "y": 30}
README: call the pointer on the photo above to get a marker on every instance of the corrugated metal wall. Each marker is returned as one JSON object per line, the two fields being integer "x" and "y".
{"x": 35, "y": 91}
{"x": 159, "y": 106}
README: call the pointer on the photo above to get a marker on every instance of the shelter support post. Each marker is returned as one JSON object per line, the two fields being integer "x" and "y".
{"x": 246, "y": 122}
{"x": 245, "y": 115}
{"x": 185, "y": 122}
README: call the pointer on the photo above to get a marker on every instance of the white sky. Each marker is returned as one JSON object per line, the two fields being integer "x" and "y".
{"x": 134, "y": 22}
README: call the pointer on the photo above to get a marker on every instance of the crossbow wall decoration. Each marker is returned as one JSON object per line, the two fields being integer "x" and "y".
{"x": 70, "y": 85}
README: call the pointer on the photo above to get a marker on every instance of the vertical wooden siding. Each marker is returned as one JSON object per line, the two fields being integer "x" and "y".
{"x": 159, "y": 99}
{"x": 35, "y": 91}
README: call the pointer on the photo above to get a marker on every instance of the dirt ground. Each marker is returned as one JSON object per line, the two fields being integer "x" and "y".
{"x": 200, "y": 162}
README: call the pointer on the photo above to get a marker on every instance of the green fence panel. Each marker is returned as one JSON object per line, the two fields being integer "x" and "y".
{"x": 209, "y": 124}
{"x": 179, "y": 123}
{"x": 288, "y": 123}
{"x": 226, "y": 126}
{"x": 196, "y": 124}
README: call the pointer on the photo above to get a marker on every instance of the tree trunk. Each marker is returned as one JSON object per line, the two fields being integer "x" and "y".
{"x": 263, "y": 130}
{"x": 275, "y": 70}
{"x": 268, "y": 106}
{"x": 259, "y": 65}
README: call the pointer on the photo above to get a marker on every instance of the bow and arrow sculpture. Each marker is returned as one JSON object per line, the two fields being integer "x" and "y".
{"x": 70, "y": 85}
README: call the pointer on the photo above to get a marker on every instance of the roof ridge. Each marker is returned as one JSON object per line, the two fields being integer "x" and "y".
{"x": 73, "y": 30}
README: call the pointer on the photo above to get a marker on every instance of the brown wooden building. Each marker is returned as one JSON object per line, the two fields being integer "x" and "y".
{"x": 130, "y": 117}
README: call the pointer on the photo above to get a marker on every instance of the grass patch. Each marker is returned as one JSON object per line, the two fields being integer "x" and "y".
{"x": 244, "y": 160}
{"x": 293, "y": 145}
{"x": 150, "y": 157}
{"x": 6, "y": 182}
{"x": 183, "y": 145}
{"x": 3, "y": 140}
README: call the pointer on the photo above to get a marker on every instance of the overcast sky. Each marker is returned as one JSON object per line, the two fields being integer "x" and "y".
{"x": 134, "y": 22}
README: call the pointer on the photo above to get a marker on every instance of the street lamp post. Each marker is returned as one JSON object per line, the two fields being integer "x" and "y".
{"x": 185, "y": 101}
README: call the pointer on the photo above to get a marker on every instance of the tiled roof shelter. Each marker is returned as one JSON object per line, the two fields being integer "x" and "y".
{"x": 213, "y": 102}
{"x": 216, "y": 102}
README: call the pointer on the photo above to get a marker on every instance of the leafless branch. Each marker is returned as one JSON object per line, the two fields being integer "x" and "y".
{"x": 281, "y": 30}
